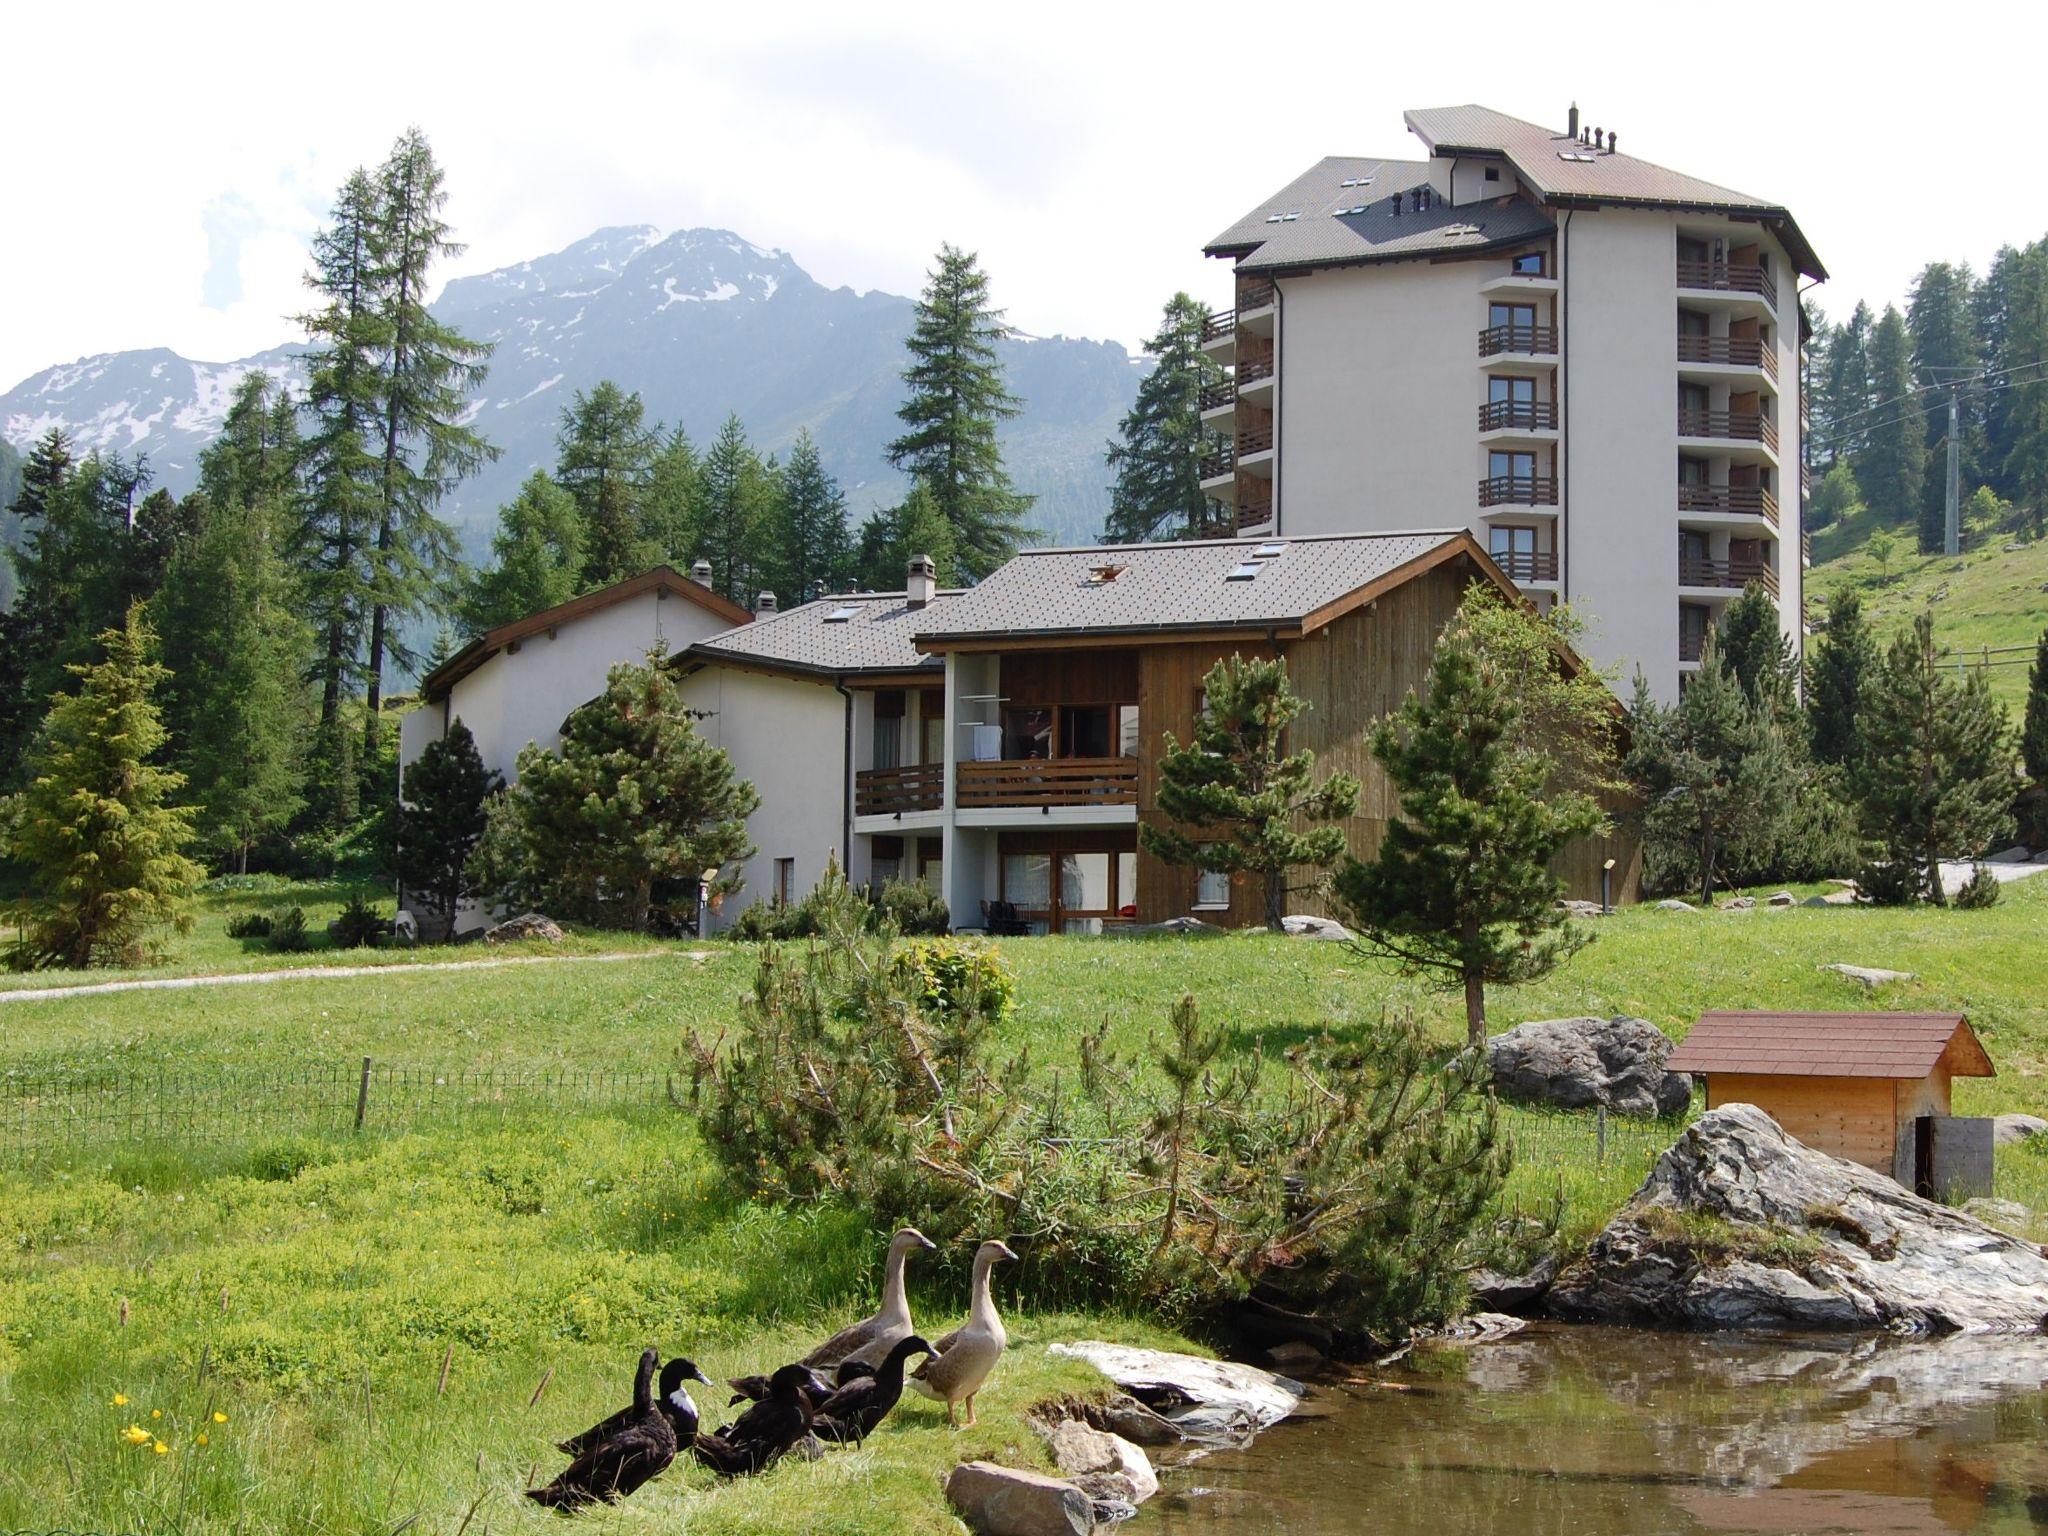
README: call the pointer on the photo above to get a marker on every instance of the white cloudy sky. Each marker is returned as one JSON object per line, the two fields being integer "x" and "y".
{"x": 169, "y": 162}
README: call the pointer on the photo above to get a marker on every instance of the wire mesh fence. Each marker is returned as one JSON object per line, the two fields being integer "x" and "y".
{"x": 1616, "y": 1145}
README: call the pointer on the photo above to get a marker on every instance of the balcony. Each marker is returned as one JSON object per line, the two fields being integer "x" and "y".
{"x": 1518, "y": 416}
{"x": 1728, "y": 352}
{"x": 1740, "y": 500}
{"x": 1726, "y": 575}
{"x": 1254, "y": 293}
{"x": 1733, "y": 426}
{"x": 1255, "y": 511}
{"x": 1525, "y": 566}
{"x": 1253, "y": 369}
{"x": 1521, "y": 340}
{"x": 1721, "y": 277}
{"x": 1255, "y": 451}
{"x": 1047, "y": 783}
{"x": 1220, "y": 325}
{"x": 1691, "y": 647}
{"x": 1220, "y": 464}
{"x": 1217, "y": 396}
{"x": 892, "y": 791}
{"x": 1518, "y": 491}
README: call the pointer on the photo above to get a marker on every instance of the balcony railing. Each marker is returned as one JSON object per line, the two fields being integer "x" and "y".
{"x": 1733, "y": 574}
{"x": 1527, "y": 565}
{"x": 1254, "y": 512}
{"x": 1728, "y": 278}
{"x": 1518, "y": 491}
{"x": 1254, "y": 440}
{"x": 1739, "y": 426}
{"x": 1496, "y": 339}
{"x": 1252, "y": 369}
{"x": 1691, "y": 646}
{"x": 1752, "y": 500}
{"x": 1728, "y": 351}
{"x": 1064, "y": 781}
{"x": 889, "y": 791}
{"x": 1254, "y": 292}
{"x": 1221, "y": 462}
{"x": 1214, "y": 395}
{"x": 1518, "y": 416}
{"x": 1219, "y": 325}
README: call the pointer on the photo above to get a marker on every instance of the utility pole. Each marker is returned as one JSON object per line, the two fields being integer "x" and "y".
{"x": 1952, "y": 538}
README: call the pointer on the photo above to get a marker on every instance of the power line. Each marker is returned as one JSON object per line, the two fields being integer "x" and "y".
{"x": 2003, "y": 374}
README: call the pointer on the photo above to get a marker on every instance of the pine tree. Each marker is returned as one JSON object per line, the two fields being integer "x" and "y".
{"x": 2025, "y": 419}
{"x": 733, "y": 502}
{"x": 1461, "y": 888}
{"x": 1941, "y": 320}
{"x": 669, "y": 505}
{"x": 256, "y": 456}
{"x": 26, "y": 637}
{"x": 423, "y": 389}
{"x": 1157, "y": 462}
{"x": 812, "y": 543}
{"x": 1893, "y": 459}
{"x": 442, "y": 814}
{"x": 96, "y": 828}
{"x": 1756, "y": 650}
{"x": 537, "y": 559}
{"x": 607, "y": 454}
{"x": 1842, "y": 407}
{"x": 2034, "y": 731}
{"x": 1992, "y": 304}
{"x": 891, "y": 538}
{"x": 1235, "y": 800}
{"x": 1938, "y": 780}
{"x": 1844, "y": 659}
{"x": 955, "y": 402}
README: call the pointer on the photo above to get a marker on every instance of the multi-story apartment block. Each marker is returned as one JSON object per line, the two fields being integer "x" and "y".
{"x": 1589, "y": 360}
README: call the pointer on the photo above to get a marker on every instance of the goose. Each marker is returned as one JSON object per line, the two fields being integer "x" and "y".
{"x": 764, "y": 1431}
{"x": 643, "y": 1443}
{"x": 870, "y": 1339}
{"x": 671, "y": 1397}
{"x": 751, "y": 1389}
{"x": 960, "y": 1363}
{"x": 851, "y": 1413}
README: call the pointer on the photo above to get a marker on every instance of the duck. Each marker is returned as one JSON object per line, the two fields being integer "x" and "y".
{"x": 779, "y": 1421}
{"x": 641, "y": 1445}
{"x": 851, "y": 1413}
{"x": 751, "y": 1389}
{"x": 671, "y": 1397}
{"x": 873, "y": 1337}
{"x": 959, "y": 1364}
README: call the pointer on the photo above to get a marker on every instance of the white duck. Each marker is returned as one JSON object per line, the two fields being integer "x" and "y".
{"x": 959, "y": 1364}
{"x": 870, "y": 1340}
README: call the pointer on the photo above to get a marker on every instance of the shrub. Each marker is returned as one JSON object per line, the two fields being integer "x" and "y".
{"x": 358, "y": 925}
{"x": 955, "y": 977}
{"x": 288, "y": 931}
{"x": 1979, "y": 891}
{"x": 914, "y": 907}
{"x": 250, "y": 925}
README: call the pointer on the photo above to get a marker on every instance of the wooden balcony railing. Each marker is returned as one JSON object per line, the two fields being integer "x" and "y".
{"x": 1214, "y": 395}
{"x": 1065, "y": 781}
{"x": 1496, "y": 339}
{"x": 1722, "y": 276}
{"x": 1219, "y": 325}
{"x": 1753, "y": 500}
{"x": 1254, "y": 512}
{"x": 1220, "y": 462}
{"x": 1733, "y": 574}
{"x": 1527, "y": 565}
{"x": 887, "y": 791}
{"x": 1518, "y": 416}
{"x": 1728, "y": 351}
{"x": 1254, "y": 440}
{"x": 1738, "y": 426}
{"x": 1254, "y": 292}
{"x": 1691, "y": 646}
{"x": 1252, "y": 369}
{"x": 1805, "y": 547}
{"x": 1518, "y": 491}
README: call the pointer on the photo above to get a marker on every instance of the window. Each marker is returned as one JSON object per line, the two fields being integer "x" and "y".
{"x": 1529, "y": 263}
{"x": 932, "y": 727}
{"x": 1493, "y": 173}
{"x": 1502, "y": 465}
{"x": 1027, "y": 734}
{"x": 1691, "y": 323}
{"x": 1691, "y": 471}
{"x": 1077, "y": 888}
{"x": 1692, "y": 546}
{"x": 888, "y": 728}
{"x": 1502, "y": 389}
{"x": 1212, "y": 889}
{"x": 1511, "y": 541}
{"x": 1521, "y": 316}
{"x": 1085, "y": 731}
{"x": 1127, "y": 734}
{"x": 1693, "y": 397}
{"x": 785, "y": 881}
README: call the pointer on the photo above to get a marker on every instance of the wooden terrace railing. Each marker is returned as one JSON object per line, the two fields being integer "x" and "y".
{"x": 1735, "y": 574}
{"x": 1518, "y": 491}
{"x": 887, "y": 791}
{"x": 1752, "y": 499}
{"x": 1061, "y": 781}
{"x": 1496, "y": 339}
{"x": 1725, "y": 277}
{"x": 1739, "y": 426}
{"x": 1528, "y": 564}
{"x": 1518, "y": 416}
{"x": 1728, "y": 351}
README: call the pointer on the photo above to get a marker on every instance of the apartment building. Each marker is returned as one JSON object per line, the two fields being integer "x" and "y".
{"x": 1590, "y": 361}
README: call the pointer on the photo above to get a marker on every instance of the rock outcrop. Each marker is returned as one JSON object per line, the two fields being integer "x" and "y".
{"x": 1869, "y": 975}
{"x": 1304, "y": 927}
{"x": 1578, "y": 1063}
{"x": 1210, "y": 1400}
{"x": 1741, "y": 1226}
{"x": 1673, "y": 904}
{"x": 2012, "y": 1130}
{"x": 1003, "y": 1501}
{"x": 528, "y": 925}
{"x": 1115, "y": 1474}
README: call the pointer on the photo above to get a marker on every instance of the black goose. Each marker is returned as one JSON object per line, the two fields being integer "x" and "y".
{"x": 672, "y": 1398}
{"x": 764, "y": 1431}
{"x": 851, "y": 1413}
{"x": 751, "y": 1389}
{"x": 619, "y": 1462}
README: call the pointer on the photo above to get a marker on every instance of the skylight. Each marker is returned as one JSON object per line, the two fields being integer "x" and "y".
{"x": 1272, "y": 549}
{"x": 1573, "y": 154}
{"x": 1245, "y": 571}
{"x": 840, "y": 615}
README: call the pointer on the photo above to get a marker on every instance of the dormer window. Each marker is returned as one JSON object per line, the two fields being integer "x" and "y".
{"x": 1528, "y": 264}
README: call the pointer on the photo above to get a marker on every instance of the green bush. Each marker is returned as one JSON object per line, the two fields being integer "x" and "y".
{"x": 288, "y": 933}
{"x": 955, "y": 976}
{"x": 249, "y": 925}
{"x": 914, "y": 907}
{"x": 1979, "y": 891}
{"x": 359, "y": 925}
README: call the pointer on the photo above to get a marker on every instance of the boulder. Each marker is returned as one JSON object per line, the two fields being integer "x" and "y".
{"x": 2018, "y": 853}
{"x": 1295, "y": 1357}
{"x": 1673, "y": 904}
{"x": 1123, "y": 1415}
{"x": 1512, "y": 1294}
{"x": 1869, "y": 975}
{"x": 1577, "y": 1063}
{"x": 1106, "y": 1467}
{"x": 1781, "y": 899}
{"x": 405, "y": 928}
{"x": 1209, "y": 1400}
{"x": 1003, "y": 1501}
{"x": 1741, "y": 1226}
{"x": 1316, "y": 928}
{"x": 529, "y": 925}
{"x": 2012, "y": 1130}
{"x": 1191, "y": 927}
{"x": 1738, "y": 904}
{"x": 2006, "y": 1215}
{"x": 1582, "y": 909}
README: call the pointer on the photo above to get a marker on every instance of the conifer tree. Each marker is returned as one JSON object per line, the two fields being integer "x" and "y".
{"x": 607, "y": 454}
{"x": 1844, "y": 658}
{"x": 891, "y": 538}
{"x": 2034, "y": 729}
{"x": 1461, "y": 888}
{"x": 1157, "y": 459}
{"x": 1893, "y": 459}
{"x": 423, "y": 388}
{"x": 1235, "y": 800}
{"x": 733, "y": 504}
{"x": 442, "y": 814}
{"x": 813, "y": 545}
{"x": 256, "y": 456}
{"x": 96, "y": 829}
{"x": 2024, "y": 422}
{"x": 1757, "y": 651}
{"x": 669, "y": 505}
{"x": 955, "y": 401}
{"x": 1942, "y": 323}
{"x": 537, "y": 559}
{"x": 1842, "y": 411}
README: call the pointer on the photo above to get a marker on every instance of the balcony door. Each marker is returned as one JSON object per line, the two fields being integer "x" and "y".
{"x": 1066, "y": 731}
{"x": 1073, "y": 885}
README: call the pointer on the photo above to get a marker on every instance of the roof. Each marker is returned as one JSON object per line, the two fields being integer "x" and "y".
{"x": 1537, "y": 154}
{"x": 435, "y": 685}
{"x": 1315, "y": 193}
{"x": 874, "y": 636}
{"x": 1186, "y": 587}
{"x": 1894, "y": 1045}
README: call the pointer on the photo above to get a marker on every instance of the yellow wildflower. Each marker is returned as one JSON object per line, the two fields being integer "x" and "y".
{"x": 120, "y": 1399}
{"x": 156, "y": 1413}
{"x": 220, "y": 1418}
{"x": 135, "y": 1434}
{"x": 161, "y": 1449}
{"x": 202, "y": 1437}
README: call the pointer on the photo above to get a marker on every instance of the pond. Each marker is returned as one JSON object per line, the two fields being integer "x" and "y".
{"x": 1598, "y": 1430}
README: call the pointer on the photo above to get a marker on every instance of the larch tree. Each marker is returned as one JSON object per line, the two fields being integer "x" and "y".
{"x": 443, "y": 809}
{"x": 734, "y": 503}
{"x": 1235, "y": 800}
{"x": 1461, "y": 889}
{"x": 1893, "y": 460}
{"x": 668, "y": 509}
{"x": 1844, "y": 659}
{"x": 812, "y": 542}
{"x": 537, "y": 557}
{"x": 1157, "y": 458}
{"x": 255, "y": 458}
{"x": 955, "y": 400}
{"x": 2024, "y": 421}
{"x": 97, "y": 829}
{"x": 1842, "y": 386}
{"x": 606, "y": 458}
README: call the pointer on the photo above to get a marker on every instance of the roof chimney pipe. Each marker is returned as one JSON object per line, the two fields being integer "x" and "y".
{"x": 1610, "y": 141}
{"x": 1571, "y": 122}
{"x": 764, "y": 605}
{"x": 700, "y": 573}
{"x": 1397, "y": 205}
{"x": 923, "y": 583}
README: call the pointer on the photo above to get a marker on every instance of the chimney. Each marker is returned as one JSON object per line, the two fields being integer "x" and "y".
{"x": 1610, "y": 141}
{"x": 1571, "y": 122}
{"x": 700, "y": 573}
{"x": 764, "y": 605}
{"x": 1397, "y": 205}
{"x": 923, "y": 584}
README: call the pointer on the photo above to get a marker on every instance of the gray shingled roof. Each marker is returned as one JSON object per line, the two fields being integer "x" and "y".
{"x": 874, "y": 637}
{"x": 1170, "y": 586}
{"x": 1316, "y": 191}
{"x": 1323, "y": 238}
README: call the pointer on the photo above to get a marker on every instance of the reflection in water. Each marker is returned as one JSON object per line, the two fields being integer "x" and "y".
{"x": 1601, "y": 1430}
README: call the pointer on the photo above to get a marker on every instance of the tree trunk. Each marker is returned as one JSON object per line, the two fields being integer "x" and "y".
{"x": 1475, "y": 1009}
{"x": 1935, "y": 893}
{"x": 1276, "y": 900}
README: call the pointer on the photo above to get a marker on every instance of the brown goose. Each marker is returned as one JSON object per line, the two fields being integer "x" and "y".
{"x": 872, "y": 1337}
{"x": 638, "y": 1448}
{"x": 960, "y": 1363}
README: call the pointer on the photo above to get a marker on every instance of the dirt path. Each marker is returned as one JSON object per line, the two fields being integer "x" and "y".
{"x": 312, "y": 972}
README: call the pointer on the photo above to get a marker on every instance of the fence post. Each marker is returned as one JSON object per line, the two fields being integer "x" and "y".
{"x": 363, "y": 1094}
{"x": 1599, "y": 1129}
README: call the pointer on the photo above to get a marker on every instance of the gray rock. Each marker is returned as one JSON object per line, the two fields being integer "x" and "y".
{"x": 2019, "y": 853}
{"x": 1123, "y": 1415}
{"x": 2006, "y": 1215}
{"x": 1582, "y": 909}
{"x": 1316, "y": 928}
{"x": 405, "y": 928}
{"x": 1106, "y": 1467}
{"x": 1295, "y": 1357}
{"x": 1795, "y": 1240}
{"x": 1673, "y": 904}
{"x": 1210, "y": 1400}
{"x": 1577, "y": 1063}
{"x": 1191, "y": 927}
{"x": 1738, "y": 904}
{"x": 529, "y": 925}
{"x": 1513, "y": 1294}
{"x": 1781, "y": 899}
{"x": 1869, "y": 975}
{"x": 1003, "y": 1501}
{"x": 2012, "y": 1130}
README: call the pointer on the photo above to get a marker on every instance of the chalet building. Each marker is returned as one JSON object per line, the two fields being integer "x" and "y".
{"x": 1589, "y": 361}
